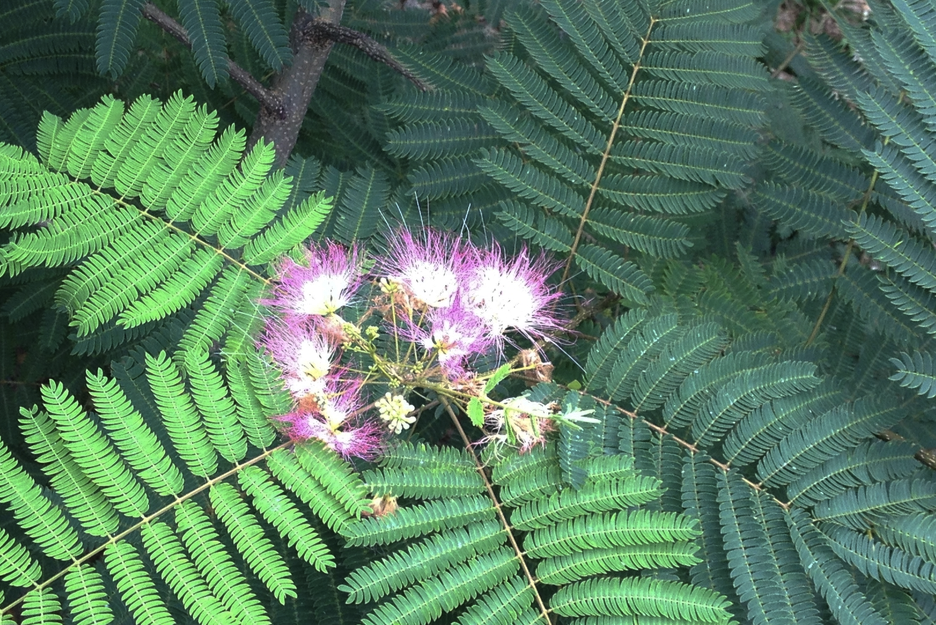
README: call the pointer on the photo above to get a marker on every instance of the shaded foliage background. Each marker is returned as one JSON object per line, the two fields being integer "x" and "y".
{"x": 763, "y": 216}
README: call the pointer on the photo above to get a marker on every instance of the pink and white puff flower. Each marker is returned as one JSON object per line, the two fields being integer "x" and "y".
{"x": 363, "y": 439}
{"x": 430, "y": 266}
{"x": 355, "y": 439}
{"x": 305, "y": 355}
{"x": 322, "y": 287}
{"x": 454, "y": 334}
{"x": 512, "y": 294}
{"x": 333, "y": 417}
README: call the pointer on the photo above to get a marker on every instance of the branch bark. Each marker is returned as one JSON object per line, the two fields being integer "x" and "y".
{"x": 295, "y": 85}
{"x": 238, "y": 73}
{"x": 376, "y": 51}
{"x": 284, "y": 104}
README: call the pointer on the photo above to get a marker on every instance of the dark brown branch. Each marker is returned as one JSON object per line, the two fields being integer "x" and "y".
{"x": 373, "y": 49}
{"x": 238, "y": 73}
{"x": 296, "y": 83}
{"x": 284, "y": 104}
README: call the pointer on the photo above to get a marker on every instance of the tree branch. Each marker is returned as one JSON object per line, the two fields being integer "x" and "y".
{"x": 238, "y": 73}
{"x": 373, "y": 49}
{"x": 295, "y": 85}
{"x": 284, "y": 104}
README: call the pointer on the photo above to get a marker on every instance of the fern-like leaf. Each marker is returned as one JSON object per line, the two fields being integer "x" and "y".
{"x": 422, "y": 560}
{"x": 881, "y": 562}
{"x": 133, "y": 437}
{"x": 841, "y": 428}
{"x": 17, "y": 567}
{"x": 259, "y": 20}
{"x": 609, "y": 530}
{"x": 620, "y": 276}
{"x": 336, "y": 475}
{"x": 202, "y": 20}
{"x": 641, "y": 597}
{"x": 422, "y": 519}
{"x": 428, "y": 600}
{"x": 216, "y": 407}
{"x": 756, "y": 573}
{"x": 94, "y": 452}
{"x": 167, "y": 157}
{"x": 88, "y": 597}
{"x": 248, "y": 535}
{"x": 598, "y": 496}
{"x": 180, "y": 416}
{"x": 866, "y": 464}
{"x": 81, "y": 497}
{"x": 858, "y": 507}
{"x": 916, "y": 372}
{"x": 135, "y": 586}
{"x": 270, "y": 500}
{"x": 178, "y": 571}
{"x": 904, "y": 254}
{"x": 288, "y": 231}
{"x": 832, "y": 579}
{"x": 208, "y": 554}
{"x": 911, "y": 533}
{"x": 115, "y": 33}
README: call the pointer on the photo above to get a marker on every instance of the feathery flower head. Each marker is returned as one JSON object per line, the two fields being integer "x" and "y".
{"x": 305, "y": 355}
{"x": 528, "y": 422}
{"x": 331, "y": 416}
{"x": 512, "y": 294}
{"x": 340, "y": 401}
{"x": 429, "y": 266}
{"x": 322, "y": 287}
{"x": 358, "y": 438}
{"x": 454, "y": 334}
{"x": 362, "y": 440}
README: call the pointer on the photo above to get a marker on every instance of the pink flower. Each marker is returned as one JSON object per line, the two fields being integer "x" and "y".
{"x": 455, "y": 335}
{"x": 429, "y": 266}
{"x": 364, "y": 440}
{"x": 512, "y": 294}
{"x": 305, "y": 355}
{"x": 322, "y": 287}
{"x": 333, "y": 417}
{"x": 357, "y": 439}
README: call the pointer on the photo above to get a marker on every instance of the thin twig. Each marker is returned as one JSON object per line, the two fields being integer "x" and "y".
{"x": 789, "y": 59}
{"x": 842, "y": 265}
{"x": 865, "y": 199}
{"x": 607, "y": 153}
{"x": 500, "y": 512}
{"x": 241, "y": 76}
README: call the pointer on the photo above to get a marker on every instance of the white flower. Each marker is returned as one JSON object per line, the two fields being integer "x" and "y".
{"x": 434, "y": 284}
{"x": 305, "y": 375}
{"x": 512, "y": 294}
{"x": 323, "y": 295}
{"x": 334, "y": 413}
{"x": 314, "y": 359}
{"x": 303, "y": 353}
{"x": 395, "y": 411}
{"x": 428, "y": 266}
{"x": 322, "y": 286}
{"x": 501, "y": 300}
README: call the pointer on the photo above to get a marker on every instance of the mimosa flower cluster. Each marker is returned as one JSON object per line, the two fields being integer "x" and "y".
{"x": 421, "y": 320}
